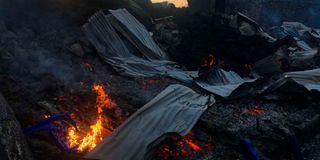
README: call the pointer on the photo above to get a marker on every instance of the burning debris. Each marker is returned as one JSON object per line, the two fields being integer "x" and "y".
{"x": 85, "y": 139}
{"x": 81, "y": 136}
{"x": 256, "y": 97}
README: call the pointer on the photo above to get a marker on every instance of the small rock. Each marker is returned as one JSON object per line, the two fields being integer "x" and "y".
{"x": 77, "y": 49}
{"x": 48, "y": 107}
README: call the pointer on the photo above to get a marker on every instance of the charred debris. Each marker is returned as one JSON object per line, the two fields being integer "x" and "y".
{"x": 129, "y": 79}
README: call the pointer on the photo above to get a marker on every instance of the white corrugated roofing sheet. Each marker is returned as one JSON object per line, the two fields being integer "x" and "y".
{"x": 175, "y": 110}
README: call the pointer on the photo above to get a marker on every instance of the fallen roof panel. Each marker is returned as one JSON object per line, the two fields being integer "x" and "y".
{"x": 101, "y": 32}
{"x": 135, "y": 32}
{"x": 175, "y": 110}
{"x": 221, "y": 82}
{"x": 308, "y": 79}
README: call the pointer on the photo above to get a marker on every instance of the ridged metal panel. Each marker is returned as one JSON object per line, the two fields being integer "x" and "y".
{"x": 175, "y": 110}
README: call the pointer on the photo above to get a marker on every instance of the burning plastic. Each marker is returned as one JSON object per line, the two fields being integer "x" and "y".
{"x": 52, "y": 127}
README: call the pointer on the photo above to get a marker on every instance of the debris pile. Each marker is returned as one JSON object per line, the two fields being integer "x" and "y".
{"x": 113, "y": 90}
{"x": 166, "y": 33}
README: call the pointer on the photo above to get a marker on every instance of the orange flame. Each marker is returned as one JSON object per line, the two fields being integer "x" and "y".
{"x": 46, "y": 116}
{"x": 193, "y": 145}
{"x": 97, "y": 131}
{"x": 208, "y": 62}
{"x": 189, "y": 139}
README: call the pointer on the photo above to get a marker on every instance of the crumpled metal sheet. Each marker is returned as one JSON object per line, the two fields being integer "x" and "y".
{"x": 137, "y": 34}
{"x": 307, "y": 42}
{"x": 175, "y": 110}
{"x": 248, "y": 26}
{"x": 302, "y": 58}
{"x": 296, "y": 29}
{"x": 300, "y": 32}
{"x": 221, "y": 82}
{"x": 101, "y": 32}
{"x": 309, "y": 79}
{"x": 266, "y": 67}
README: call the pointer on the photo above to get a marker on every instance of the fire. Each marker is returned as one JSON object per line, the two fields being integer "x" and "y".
{"x": 46, "y": 116}
{"x": 87, "y": 141}
{"x": 193, "y": 145}
{"x": 209, "y": 62}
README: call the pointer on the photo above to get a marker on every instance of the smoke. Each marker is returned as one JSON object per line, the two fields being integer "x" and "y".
{"x": 33, "y": 43}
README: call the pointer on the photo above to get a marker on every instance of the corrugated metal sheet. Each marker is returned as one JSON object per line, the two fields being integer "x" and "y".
{"x": 309, "y": 79}
{"x": 101, "y": 32}
{"x": 104, "y": 37}
{"x": 174, "y": 110}
{"x": 221, "y": 82}
{"x": 138, "y": 35}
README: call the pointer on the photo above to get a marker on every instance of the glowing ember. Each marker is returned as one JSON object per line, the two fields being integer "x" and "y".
{"x": 47, "y": 116}
{"x": 255, "y": 111}
{"x": 193, "y": 145}
{"x": 187, "y": 146}
{"x": 209, "y": 62}
{"x": 88, "y": 140}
